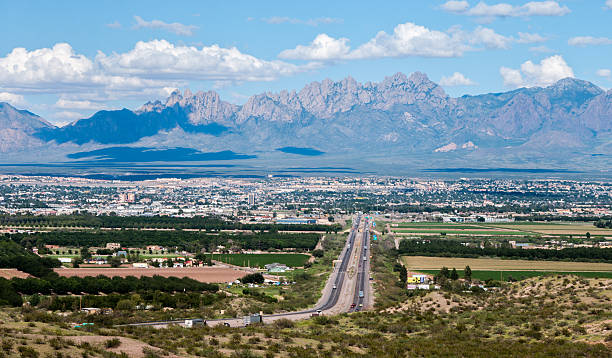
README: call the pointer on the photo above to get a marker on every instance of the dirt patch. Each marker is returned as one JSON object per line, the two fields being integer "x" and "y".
{"x": 132, "y": 347}
{"x": 10, "y": 273}
{"x": 202, "y": 274}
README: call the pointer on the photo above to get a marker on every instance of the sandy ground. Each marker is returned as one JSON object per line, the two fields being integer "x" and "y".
{"x": 202, "y": 274}
{"x": 10, "y": 273}
{"x": 435, "y": 263}
{"x": 132, "y": 347}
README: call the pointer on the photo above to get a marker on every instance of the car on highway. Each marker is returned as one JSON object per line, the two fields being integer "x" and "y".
{"x": 353, "y": 305}
{"x": 360, "y": 294}
{"x": 334, "y": 287}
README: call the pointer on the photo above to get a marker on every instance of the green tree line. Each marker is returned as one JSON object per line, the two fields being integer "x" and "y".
{"x": 448, "y": 248}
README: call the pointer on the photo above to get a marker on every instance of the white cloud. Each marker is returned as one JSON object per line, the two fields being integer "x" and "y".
{"x": 529, "y": 38}
{"x": 160, "y": 59}
{"x": 114, "y": 25}
{"x": 76, "y": 104}
{"x": 547, "y": 72}
{"x": 457, "y": 79}
{"x": 175, "y": 27}
{"x": 322, "y": 47}
{"x": 604, "y": 72}
{"x": 609, "y": 4}
{"x": 406, "y": 40}
{"x": 589, "y": 41}
{"x": 146, "y": 71}
{"x": 310, "y": 22}
{"x": 456, "y": 6}
{"x": 489, "y": 38}
{"x": 49, "y": 68}
{"x": 483, "y": 10}
{"x": 12, "y": 99}
{"x": 412, "y": 40}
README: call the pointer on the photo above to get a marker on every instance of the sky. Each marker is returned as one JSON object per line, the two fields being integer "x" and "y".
{"x": 66, "y": 60}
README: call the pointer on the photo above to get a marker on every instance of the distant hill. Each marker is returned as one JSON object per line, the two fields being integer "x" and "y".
{"x": 400, "y": 116}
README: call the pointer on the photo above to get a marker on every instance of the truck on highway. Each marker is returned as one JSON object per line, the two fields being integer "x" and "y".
{"x": 360, "y": 294}
{"x": 254, "y": 318}
{"x": 365, "y": 258}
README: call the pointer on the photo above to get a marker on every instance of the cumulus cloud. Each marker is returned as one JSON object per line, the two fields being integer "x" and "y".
{"x": 406, "y": 40}
{"x": 160, "y": 59}
{"x": 547, "y": 72}
{"x": 609, "y": 4}
{"x": 604, "y": 72}
{"x": 412, "y": 40}
{"x": 484, "y": 10}
{"x": 12, "y": 99}
{"x": 589, "y": 41}
{"x": 457, "y": 79}
{"x": 175, "y": 27}
{"x": 310, "y": 22}
{"x": 322, "y": 47}
{"x": 149, "y": 69}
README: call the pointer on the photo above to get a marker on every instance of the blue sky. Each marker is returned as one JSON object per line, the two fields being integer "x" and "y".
{"x": 65, "y": 60}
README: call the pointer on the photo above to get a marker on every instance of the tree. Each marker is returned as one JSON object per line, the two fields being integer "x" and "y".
{"x": 467, "y": 273}
{"x": 317, "y": 253}
{"x": 444, "y": 273}
{"x": 114, "y": 261}
{"x": 588, "y": 235}
{"x": 454, "y": 275}
{"x": 253, "y": 278}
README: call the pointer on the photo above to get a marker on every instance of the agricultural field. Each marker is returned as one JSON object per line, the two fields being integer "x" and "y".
{"x": 505, "y": 275}
{"x": 202, "y": 274}
{"x": 260, "y": 260}
{"x": 417, "y": 263}
{"x": 558, "y": 228}
{"x": 577, "y": 229}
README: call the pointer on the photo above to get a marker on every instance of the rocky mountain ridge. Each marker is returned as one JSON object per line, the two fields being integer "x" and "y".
{"x": 399, "y": 115}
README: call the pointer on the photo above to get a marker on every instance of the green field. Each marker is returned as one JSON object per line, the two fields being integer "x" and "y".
{"x": 520, "y": 275}
{"x": 260, "y": 260}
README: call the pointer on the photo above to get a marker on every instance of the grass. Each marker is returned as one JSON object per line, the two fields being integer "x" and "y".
{"x": 260, "y": 260}
{"x": 521, "y": 275}
{"x": 488, "y": 264}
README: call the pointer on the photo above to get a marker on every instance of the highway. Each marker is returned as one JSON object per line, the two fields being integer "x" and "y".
{"x": 342, "y": 287}
{"x": 361, "y": 295}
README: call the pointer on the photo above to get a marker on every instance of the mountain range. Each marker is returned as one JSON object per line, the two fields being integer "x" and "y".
{"x": 400, "y": 121}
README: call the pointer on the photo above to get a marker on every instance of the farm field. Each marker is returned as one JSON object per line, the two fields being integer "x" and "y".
{"x": 417, "y": 263}
{"x": 260, "y": 260}
{"x": 521, "y": 275}
{"x": 514, "y": 228}
{"x": 558, "y": 228}
{"x": 464, "y": 232}
{"x": 10, "y": 273}
{"x": 202, "y": 274}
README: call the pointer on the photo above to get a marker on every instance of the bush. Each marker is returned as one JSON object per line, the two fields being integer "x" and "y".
{"x": 112, "y": 343}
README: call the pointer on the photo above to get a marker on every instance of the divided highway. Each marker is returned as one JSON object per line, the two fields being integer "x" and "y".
{"x": 342, "y": 287}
